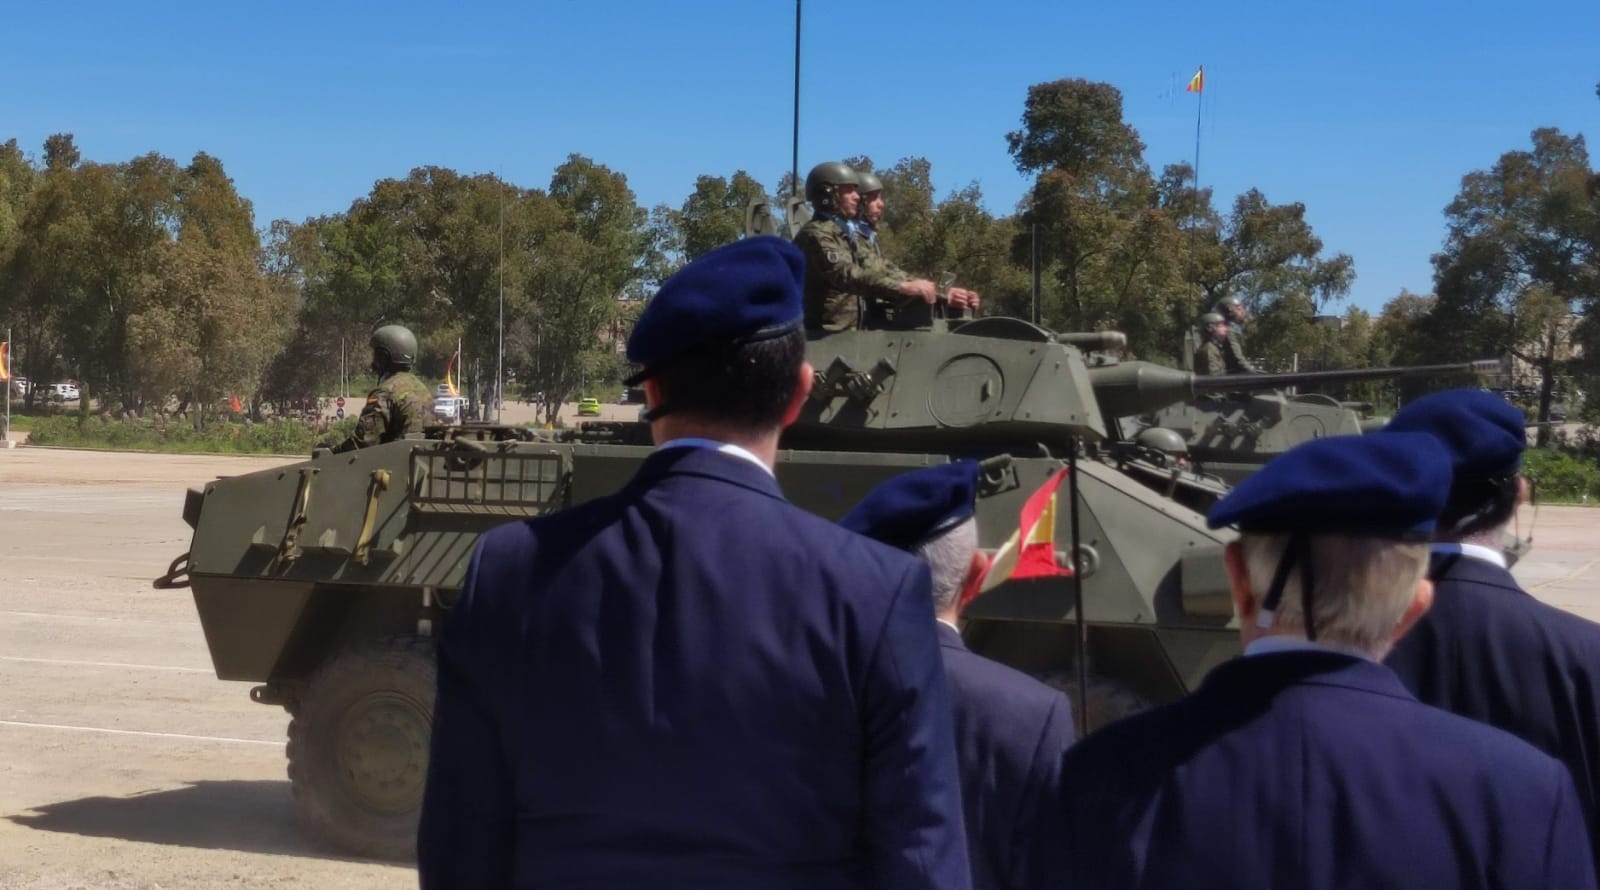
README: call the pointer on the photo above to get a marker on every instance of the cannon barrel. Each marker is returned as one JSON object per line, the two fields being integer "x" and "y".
{"x": 1094, "y": 341}
{"x": 1134, "y": 388}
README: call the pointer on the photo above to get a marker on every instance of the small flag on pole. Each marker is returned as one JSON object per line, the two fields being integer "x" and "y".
{"x": 1030, "y": 552}
{"x": 1197, "y": 83}
{"x": 448, "y": 383}
{"x": 233, "y": 402}
{"x": 5, "y": 360}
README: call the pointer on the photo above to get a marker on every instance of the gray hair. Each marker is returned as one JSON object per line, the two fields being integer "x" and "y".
{"x": 1361, "y": 588}
{"x": 949, "y": 555}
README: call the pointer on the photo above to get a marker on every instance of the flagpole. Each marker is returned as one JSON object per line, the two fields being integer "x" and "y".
{"x": 1199, "y": 99}
{"x": 1077, "y": 589}
{"x": 5, "y": 432}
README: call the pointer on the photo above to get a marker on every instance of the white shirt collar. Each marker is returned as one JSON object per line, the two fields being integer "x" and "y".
{"x": 949, "y": 625}
{"x": 1475, "y": 551}
{"x": 1280, "y": 643}
{"x": 714, "y": 445}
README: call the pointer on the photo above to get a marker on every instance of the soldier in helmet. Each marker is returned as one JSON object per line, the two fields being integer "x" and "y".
{"x": 1164, "y": 447}
{"x": 1212, "y": 356}
{"x": 836, "y": 284}
{"x": 1232, "y": 311}
{"x": 401, "y": 402}
{"x": 1159, "y": 458}
{"x": 869, "y": 252}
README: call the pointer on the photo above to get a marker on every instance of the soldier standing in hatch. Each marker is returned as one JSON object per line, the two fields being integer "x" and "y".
{"x": 837, "y": 285}
{"x": 1232, "y": 311}
{"x": 401, "y": 403}
{"x": 1212, "y": 356}
{"x": 869, "y": 252}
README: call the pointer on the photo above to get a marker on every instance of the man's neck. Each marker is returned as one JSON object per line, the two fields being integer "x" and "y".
{"x": 950, "y": 616}
{"x": 762, "y": 445}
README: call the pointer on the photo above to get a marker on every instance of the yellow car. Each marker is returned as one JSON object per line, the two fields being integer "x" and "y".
{"x": 588, "y": 407}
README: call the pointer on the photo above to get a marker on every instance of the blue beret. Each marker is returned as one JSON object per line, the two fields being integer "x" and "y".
{"x": 1388, "y": 486}
{"x": 745, "y": 291}
{"x": 1484, "y": 433}
{"x": 913, "y": 507}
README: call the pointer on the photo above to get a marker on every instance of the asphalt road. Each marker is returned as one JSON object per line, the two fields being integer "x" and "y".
{"x": 129, "y": 766}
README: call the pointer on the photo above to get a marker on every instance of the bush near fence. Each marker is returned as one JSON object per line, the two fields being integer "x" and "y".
{"x": 291, "y": 437}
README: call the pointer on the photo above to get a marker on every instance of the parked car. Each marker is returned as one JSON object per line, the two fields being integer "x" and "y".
{"x": 588, "y": 407}
{"x": 450, "y": 409}
{"x": 62, "y": 392}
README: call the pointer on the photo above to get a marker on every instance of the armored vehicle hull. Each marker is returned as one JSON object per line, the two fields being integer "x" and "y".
{"x": 323, "y": 581}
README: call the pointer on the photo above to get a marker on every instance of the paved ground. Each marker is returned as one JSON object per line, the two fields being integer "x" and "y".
{"x": 127, "y": 765}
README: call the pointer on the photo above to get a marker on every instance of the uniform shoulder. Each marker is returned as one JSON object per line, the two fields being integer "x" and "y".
{"x": 845, "y": 548}
{"x": 815, "y": 227}
{"x": 999, "y": 684}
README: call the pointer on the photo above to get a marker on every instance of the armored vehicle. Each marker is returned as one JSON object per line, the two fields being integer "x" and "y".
{"x": 1240, "y": 422}
{"x": 323, "y": 580}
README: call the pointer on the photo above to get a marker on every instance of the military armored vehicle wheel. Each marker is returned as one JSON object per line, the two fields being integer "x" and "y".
{"x": 358, "y": 747}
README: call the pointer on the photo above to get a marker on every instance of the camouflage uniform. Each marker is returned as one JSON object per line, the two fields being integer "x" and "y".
{"x": 836, "y": 281}
{"x": 1210, "y": 359}
{"x": 1237, "y": 363}
{"x": 401, "y": 404}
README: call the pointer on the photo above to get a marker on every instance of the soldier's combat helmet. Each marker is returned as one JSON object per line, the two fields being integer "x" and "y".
{"x": 394, "y": 347}
{"x": 823, "y": 182}
{"x": 868, "y": 182}
{"x": 1163, "y": 440}
{"x": 1211, "y": 318}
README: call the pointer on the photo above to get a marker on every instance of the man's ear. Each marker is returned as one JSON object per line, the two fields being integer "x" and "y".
{"x": 652, "y": 393}
{"x": 802, "y": 391}
{"x": 1421, "y": 601}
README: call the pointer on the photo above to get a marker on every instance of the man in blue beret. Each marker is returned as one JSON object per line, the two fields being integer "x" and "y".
{"x": 692, "y": 683}
{"x": 1304, "y": 762}
{"x": 1488, "y": 650}
{"x": 1011, "y": 730}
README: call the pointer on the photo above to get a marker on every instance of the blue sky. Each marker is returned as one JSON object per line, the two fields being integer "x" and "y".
{"x": 1367, "y": 112}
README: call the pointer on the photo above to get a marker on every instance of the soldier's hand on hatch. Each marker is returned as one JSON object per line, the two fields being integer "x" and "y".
{"x": 960, "y": 296}
{"x": 921, "y": 287}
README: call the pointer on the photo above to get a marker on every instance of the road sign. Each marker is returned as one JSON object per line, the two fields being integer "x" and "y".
{"x": 339, "y": 403}
{"x": 339, "y": 413}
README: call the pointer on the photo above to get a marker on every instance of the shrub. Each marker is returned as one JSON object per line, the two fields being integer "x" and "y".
{"x": 1562, "y": 475}
{"x": 290, "y": 437}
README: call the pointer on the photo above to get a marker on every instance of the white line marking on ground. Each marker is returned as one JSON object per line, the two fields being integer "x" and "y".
{"x": 153, "y": 735}
{"x": 107, "y": 664}
{"x": 117, "y": 618}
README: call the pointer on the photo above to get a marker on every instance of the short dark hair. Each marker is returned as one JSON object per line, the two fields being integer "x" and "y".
{"x": 1477, "y": 504}
{"x": 747, "y": 385}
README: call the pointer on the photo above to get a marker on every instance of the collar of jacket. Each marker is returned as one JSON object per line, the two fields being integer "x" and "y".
{"x": 1258, "y": 678}
{"x": 949, "y": 637}
{"x": 708, "y": 464}
{"x": 1457, "y": 567}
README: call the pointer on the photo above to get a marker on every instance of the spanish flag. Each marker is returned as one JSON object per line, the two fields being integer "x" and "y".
{"x": 5, "y": 360}
{"x": 448, "y": 383}
{"x": 1197, "y": 83}
{"x": 233, "y": 402}
{"x": 1030, "y": 552}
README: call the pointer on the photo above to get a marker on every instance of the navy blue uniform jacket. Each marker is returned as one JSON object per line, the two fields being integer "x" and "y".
{"x": 1315, "y": 770}
{"x": 691, "y": 683}
{"x": 1490, "y": 651}
{"x": 1011, "y": 731}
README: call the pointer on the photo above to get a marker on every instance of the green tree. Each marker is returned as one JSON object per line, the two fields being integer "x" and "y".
{"x": 1521, "y": 258}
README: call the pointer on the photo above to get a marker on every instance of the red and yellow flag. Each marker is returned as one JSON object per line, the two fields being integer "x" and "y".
{"x": 1030, "y": 552}
{"x": 448, "y": 383}
{"x": 5, "y": 360}
{"x": 1197, "y": 83}
{"x": 233, "y": 402}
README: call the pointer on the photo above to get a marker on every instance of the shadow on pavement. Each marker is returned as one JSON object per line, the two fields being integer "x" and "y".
{"x": 247, "y": 816}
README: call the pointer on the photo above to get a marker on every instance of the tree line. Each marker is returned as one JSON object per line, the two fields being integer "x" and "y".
{"x": 149, "y": 281}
